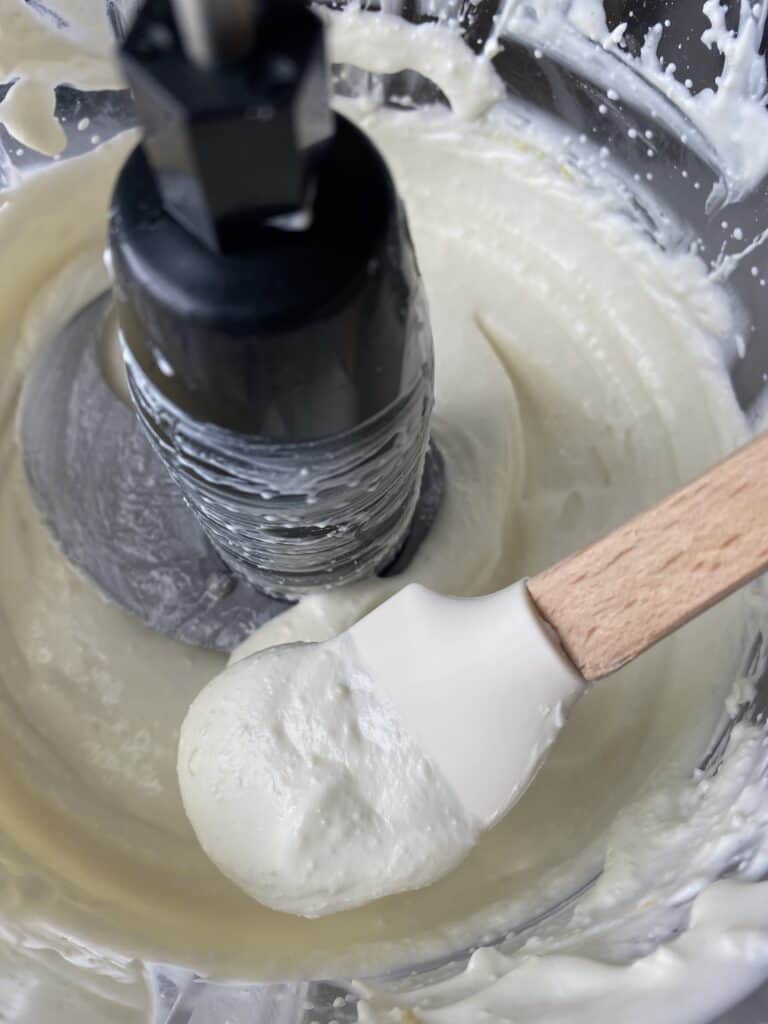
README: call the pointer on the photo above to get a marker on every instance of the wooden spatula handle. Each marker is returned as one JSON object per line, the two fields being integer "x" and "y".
{"x": 618, "y": 597}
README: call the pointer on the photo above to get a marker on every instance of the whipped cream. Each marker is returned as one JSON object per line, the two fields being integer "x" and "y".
{"x": 306, "y": 791}
{"x": 324, "y": 776}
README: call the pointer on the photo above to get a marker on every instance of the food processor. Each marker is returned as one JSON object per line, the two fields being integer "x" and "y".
{"x": 620, "y": 122}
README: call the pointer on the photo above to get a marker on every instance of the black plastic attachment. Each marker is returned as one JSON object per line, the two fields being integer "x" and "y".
{"x": 305, "y": 335}
{"x": 273, "y": 320}
{"x": 231, "y": 145}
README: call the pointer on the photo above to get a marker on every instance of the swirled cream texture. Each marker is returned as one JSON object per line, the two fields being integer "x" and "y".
{"x": 580, "y": 374}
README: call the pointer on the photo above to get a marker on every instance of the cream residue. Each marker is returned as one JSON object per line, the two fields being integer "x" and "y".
{"x": 41, "y": 47}
{"x": 726, "y": 124}
{"x": 580, "y": 376}
{"x": 391, "y": 44}
{"x": 602, "y": 960}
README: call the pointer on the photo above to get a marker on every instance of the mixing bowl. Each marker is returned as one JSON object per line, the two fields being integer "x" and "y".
{"x": 621, "y": 120}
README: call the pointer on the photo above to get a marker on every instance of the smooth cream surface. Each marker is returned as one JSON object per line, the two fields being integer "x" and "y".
{"x": 580, "y": 376}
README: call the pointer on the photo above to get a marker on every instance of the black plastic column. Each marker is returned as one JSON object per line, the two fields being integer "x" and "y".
{"x": 273, "y": 321}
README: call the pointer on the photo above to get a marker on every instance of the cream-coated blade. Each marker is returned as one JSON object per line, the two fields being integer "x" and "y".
{"x": 477, "y": 682}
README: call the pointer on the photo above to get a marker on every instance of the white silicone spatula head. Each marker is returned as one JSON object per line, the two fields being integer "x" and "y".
{"x": 479, "y": 683}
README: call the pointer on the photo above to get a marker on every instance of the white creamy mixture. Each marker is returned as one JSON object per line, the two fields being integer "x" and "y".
{"x": 305, "y": 789}
{"x": 580, "y": 376}
{"x": 403, "y": 738}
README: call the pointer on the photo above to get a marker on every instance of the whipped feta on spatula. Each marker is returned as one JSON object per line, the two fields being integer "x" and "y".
{"x": 319, "y": 777}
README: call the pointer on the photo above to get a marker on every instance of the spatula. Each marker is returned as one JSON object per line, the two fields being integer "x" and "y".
{"x": 484, "y": 684}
